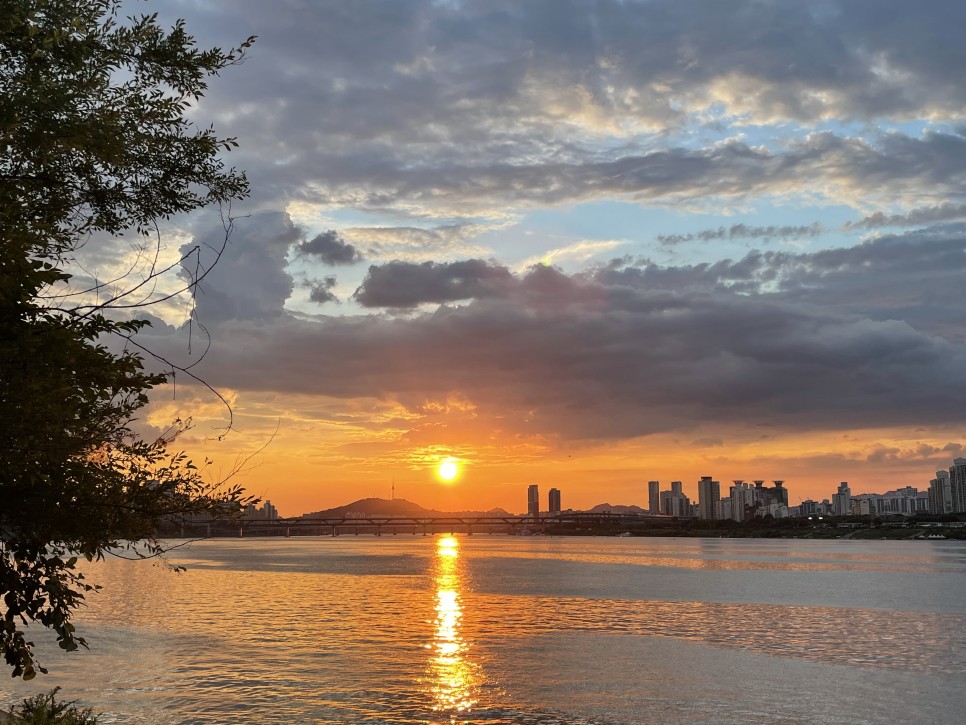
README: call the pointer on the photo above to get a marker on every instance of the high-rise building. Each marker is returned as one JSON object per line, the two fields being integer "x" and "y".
{"x": 957, "y": 485}
{"x": 654, "y": 497}
{"x": 554, "y": 501}
{"x": 533, "y": 501}
{"x": 742, "y": 498}
{"x": 675, "y": 503}
{"x": 940, "y": 494}
{"x": 709, "y": 492}
{"x": 842, "y": 500}
{"x": 780, "y": 493}
{"x": 267, "y": 512}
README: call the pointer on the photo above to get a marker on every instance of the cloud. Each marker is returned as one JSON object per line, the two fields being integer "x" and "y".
{"x": 427, "y": 122}
{"x": 330, "y": 249}
{"x": 464, "y": 109}
{"x": 828, "y": 342}
{"x": 914, "y": 217}
{"x": 582, "y": 251}
{"x": 320, "y": 291}
{"x": 920, "y": 453}
{"x": 404, "y": 284}
{"x": 826, "y": 166}
{"x": 909, "y": 277}
{"x": 249, "y": 281}
{"x": 413, "y": 243}
{"x": 744, "y": 231}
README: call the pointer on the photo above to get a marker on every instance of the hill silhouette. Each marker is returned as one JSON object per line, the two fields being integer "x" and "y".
{"x": 606, "y": 508}
{"x": 369, "y": 507}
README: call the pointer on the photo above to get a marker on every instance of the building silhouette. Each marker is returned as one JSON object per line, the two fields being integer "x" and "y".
{"x": 957, "y": 484}
{"x": 654, "y": 497}
{"x": 742, "y": 497}
{"x": 940, "y": 494}
{"x": 267, "y": 512}
{"x": 675, "y": 502}
{"x": 533, "y": 501}
{"x": 709, "y": 494}
{"x": 842, "y": 500}
{"x": 553, "y": 503}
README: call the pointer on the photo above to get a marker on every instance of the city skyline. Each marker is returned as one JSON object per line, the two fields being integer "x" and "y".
{"x": 944, "y": 494}
{"x": 572, "y": 243}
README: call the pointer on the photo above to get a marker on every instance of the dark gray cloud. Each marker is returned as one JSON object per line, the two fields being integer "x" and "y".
{"x": 800, "y": 342}
{"x": 450, "y": 108}
{"x": 469, "y": 112}
{"x": 910, "y": 277}
{"x": 320, "y": 291}
{"x": 843, "y": 168}
{"x": 330, "y": 248}
{"x": 405, "y": 284}
{"x": 915, "y": 217}
{"x": 744, "y": 231}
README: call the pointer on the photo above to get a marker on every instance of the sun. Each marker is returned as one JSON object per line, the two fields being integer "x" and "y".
{"x": 448, "y": 469}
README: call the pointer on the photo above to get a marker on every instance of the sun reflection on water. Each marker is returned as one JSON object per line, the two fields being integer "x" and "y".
{"x": 453, "y": 679}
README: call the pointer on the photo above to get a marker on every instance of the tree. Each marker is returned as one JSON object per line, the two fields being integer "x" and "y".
{"x": 95, "y": 141}
{"x": 44, "y": 709}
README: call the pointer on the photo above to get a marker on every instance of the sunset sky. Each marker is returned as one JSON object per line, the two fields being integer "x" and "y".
{"x": 578, "y": 244}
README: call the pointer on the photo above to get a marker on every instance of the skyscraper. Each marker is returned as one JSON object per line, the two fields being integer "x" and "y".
{"x": 742, "y": 498}
{"x": 709, "y": 492}
{"x": 674, "y": 502}
{"x": 842, "y": 500}
{"x": 940, "y": 494}
{"x": 654, "y": 497}
{"x": 554, "y": 502}
{"x": 533, "y": 501}
{"x": 957, "y": 484}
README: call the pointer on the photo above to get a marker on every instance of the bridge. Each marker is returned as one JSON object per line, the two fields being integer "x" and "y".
{"x": 415, "y": 525}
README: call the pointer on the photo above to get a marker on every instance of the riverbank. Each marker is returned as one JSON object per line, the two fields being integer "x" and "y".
{"x": 780, "y": 529}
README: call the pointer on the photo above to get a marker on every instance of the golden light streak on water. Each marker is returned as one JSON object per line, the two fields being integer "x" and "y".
{"x": 454, "y": 680}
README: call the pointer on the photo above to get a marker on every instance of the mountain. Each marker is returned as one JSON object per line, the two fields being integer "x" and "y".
{"x": 606, "y": 508}
{"x": 369, "y": 507}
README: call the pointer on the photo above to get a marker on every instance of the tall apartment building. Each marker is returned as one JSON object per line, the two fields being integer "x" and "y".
{"x": 842, "y": 500}
{"x": 742, "y": 497}
{"x": 533, "y": 501}
{"x": 266, "y": 513}
{"x": 957, "y": 484}
{"x": 709, "y": 493}
{"x": 654, "y": 497}
{"x": 940, "y": 494}
{"x": 553, "y": 503}
{"x": 674, "y": 502}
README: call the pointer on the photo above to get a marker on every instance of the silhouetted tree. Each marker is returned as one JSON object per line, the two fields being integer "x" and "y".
{"x": 94, "y": 141}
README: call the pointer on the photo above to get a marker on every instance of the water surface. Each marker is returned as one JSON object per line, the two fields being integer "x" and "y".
{"x": 495, "y": 629}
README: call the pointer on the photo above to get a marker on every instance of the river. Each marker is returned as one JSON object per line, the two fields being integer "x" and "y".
{"x": 504, "y": 629}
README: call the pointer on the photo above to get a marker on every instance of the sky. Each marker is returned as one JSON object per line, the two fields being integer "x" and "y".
{"x": 578, "y": 244}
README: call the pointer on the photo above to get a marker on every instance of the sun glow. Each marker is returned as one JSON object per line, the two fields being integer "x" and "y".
{"x": 448, "y": 469}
